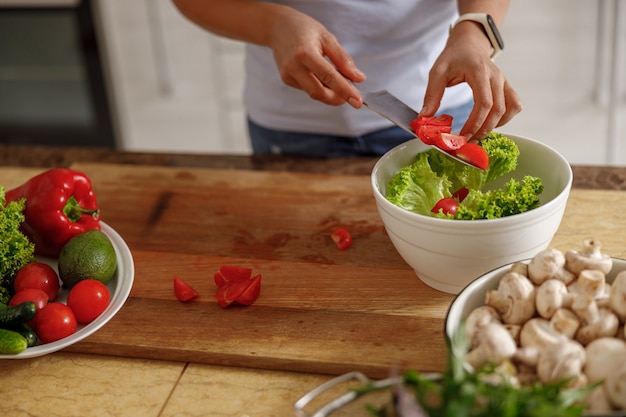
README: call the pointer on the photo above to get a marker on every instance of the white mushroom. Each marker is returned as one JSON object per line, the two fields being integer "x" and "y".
{"x": 539, "y": 332}
{"x": 596, "y": 322}
{"x": 561, "y": 361}
{"x": 591, "y": 282}
{"x": 496, "y": 345}
{"x": 520, "y": 268}
{"x": 552, "y": 294}
{"x": 476, "y": 320}
{"x": 617, "y": 297}
{"x": 548, "y": 264}
{"x": 604, "y": 357}
{"x": 565, "y": 321}
{"x": 589, "y": 257}
{"x": 514, "y": 298}
{"x": 615, "y": 386}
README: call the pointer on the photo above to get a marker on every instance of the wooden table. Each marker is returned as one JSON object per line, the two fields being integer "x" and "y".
{"x": 321, "y": 312}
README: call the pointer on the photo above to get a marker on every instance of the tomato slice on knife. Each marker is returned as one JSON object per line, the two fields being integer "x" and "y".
{"x": 428, "y": 128}
{"x": 449, "y": 142}
{"x": 474, "y": 155}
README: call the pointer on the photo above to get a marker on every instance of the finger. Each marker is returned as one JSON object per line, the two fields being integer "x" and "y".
{"x": 333, "y": 85}
{"x": 498, "y": 108}
{"x": 513, "y": 104}
{"x": 483, "y": 101}
{"x": 435, "y": 88}
{"x": 343, "y": 62}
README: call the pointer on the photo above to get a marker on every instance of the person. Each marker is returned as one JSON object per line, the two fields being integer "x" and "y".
{"x": 308, "y": 62}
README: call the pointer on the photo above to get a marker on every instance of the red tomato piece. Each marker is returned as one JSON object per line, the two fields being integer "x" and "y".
{"x": 429, "y": 133}
{"x": 474, "y": 155}
{"x": 228, "y": 294}
{"x": 252, "y": 291}
{"x": 37, "y": 275}
{"x": 441, "y": 120}
{"x": 447, "y": 205}
{"x": 37, "y": 296}
{"x": 88, "y": 299}
{"x": 449, "y": 142}
{"x": 342, "y": 238}
{"x": 55, "y": 321}
{"x": 460, "y": 194}
{"x": 183, "y": 291}
{"x": 228, "y": 273}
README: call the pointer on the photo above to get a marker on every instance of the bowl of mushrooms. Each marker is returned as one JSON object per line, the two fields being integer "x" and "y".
{"x": 558, "y": 316}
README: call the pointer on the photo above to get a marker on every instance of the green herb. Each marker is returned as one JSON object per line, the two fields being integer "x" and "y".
{"x": 487, "y": 393}
{"x": 15, "y": 248}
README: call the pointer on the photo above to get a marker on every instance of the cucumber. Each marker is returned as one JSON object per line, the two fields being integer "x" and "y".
{"x": 28, "y": 333}
{"x": 12, "y": 342}
{"x": 12, "y": 316}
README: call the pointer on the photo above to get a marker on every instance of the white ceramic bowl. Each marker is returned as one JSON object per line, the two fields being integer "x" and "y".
{"x": 473, "y": 296}
{"x": 448, "y": 254}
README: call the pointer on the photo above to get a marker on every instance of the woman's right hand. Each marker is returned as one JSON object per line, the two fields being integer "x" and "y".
{"x": 311, "y": 59}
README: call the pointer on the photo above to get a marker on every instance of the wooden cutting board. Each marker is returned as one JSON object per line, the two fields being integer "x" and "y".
{"x": 320, "y": 310}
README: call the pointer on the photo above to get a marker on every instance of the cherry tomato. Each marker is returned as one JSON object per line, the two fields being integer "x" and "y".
{"x": 342, "y": 238}
{"x": 55, "y": 321}
{"x": 474, "y": 155}
{"x": 447, "y": 205}
{"x": 88, "y": 299}
{"x": 235, "y": 285}
{"x": 429, "y": 134}
{"x": 228, "y": 273}
{"x": 37, "y": 275}
{"x": 460, "y": 194}
{"x": 440, "y": 120}
{"x": 251, "y": 292}
{"x": 183, "y": 291}
{"x": 37, "y": 296}
{"x": 449, "y": 142}
{"x": 228, "y": 294}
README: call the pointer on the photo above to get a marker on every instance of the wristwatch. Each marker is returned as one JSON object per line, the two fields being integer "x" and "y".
{"x": 490, "y": 28}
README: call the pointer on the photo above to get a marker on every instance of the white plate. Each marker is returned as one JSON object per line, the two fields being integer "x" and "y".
{"x": 119, "y": 286}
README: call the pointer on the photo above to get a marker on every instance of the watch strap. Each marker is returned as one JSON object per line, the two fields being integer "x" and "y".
{"x": 486, "y": 21}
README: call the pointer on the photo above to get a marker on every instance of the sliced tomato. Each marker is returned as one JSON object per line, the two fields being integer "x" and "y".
{"x": 228, "y": 273}
{"x": 474, "y": 155}
{"x": 450, "y": 142}
{"x": 228, "y": 294}
{"x": 429, "y": 134}
{"x": 252, "y": 291}
{"x": 440, "y": 120}
{"x": 447, "y": 205}
{"x": 342, "y": 238}
{"x": 235, "y": 285}
{"x": 183, "y": 291}
{"x": 460, "y": 194}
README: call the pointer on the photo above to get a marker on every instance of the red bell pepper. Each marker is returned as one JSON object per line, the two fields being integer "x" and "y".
{"x": 60, "y": 204}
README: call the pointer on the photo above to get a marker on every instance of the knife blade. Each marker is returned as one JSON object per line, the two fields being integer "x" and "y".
{"x": 393, "y": 109}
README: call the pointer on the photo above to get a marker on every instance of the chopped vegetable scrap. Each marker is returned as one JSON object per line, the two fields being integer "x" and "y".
{"x": 235, "y": 284}
{"x": 183, "y": 291}
{"x": 342, "y": 238}
{"x": 60, "y": 204}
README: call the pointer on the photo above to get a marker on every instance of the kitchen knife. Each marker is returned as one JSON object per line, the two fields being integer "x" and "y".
{"x": 394, "y": 110}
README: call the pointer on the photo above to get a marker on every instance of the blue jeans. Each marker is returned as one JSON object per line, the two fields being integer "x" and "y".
{"x": 269, "y": 141}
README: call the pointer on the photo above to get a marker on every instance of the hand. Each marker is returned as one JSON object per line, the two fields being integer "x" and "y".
{"x": 466, "y": 58}
{"x": 310, "y": 58}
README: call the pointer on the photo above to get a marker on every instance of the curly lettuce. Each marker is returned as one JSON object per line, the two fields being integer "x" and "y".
{"x": 433, "y": 176}
{"x": 15, "y": 248}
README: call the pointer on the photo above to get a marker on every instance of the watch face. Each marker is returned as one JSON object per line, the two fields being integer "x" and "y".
{"x": 495, "y": 31}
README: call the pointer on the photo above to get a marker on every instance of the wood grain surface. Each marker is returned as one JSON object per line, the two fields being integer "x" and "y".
{"x": 320, "y": 310}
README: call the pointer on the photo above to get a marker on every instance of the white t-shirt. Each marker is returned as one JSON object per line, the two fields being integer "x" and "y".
{"x": 394, "y": 42}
